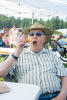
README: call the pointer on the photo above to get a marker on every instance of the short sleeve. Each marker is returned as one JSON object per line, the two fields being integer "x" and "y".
{"x": 60, "y": 69}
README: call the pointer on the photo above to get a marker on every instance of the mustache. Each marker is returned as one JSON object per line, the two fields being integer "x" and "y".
{"x": 34, "y": 40}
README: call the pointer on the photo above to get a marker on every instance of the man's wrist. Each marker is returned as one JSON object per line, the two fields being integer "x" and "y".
{"x": 64, "y": 92}
{"x": 15, "y": 57}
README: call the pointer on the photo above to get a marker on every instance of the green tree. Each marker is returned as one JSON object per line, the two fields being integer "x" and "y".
{"x": 65, "y": 24}
{"x": 25, "y": 23}
{"x": 12, "y": 20}
{"x": 54, "y": 23}
{"x": 41, "y": 21}
{"x": 47, "y": 23}
{"x": 18, "y": 22}
{"x": 61, "y": 24}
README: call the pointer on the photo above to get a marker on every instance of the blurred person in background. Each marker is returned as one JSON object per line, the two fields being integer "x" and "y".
{"x": 6, "y": 38}
{"x": 13, "y": 34}
{"x": 1, "y": 38}
{"x": 5, "y": 30}
{"x": 61, "y": 42}
{"x": 2, "y": 42}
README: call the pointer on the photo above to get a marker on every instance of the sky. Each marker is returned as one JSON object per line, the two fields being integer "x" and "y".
{"x": 34, "y": 8}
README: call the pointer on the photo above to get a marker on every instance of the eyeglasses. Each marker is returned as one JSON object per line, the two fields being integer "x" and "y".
{"x": 37, "y": 33}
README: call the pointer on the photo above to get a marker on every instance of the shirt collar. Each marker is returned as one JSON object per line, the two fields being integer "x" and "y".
{"x": 44, "y": 50}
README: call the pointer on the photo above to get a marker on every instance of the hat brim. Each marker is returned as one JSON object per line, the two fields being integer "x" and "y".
{"x": 45, "y": 30}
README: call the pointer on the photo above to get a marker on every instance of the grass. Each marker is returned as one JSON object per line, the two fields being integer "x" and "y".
{"x": 65, "y": 65}
{"x": 2, "y": 58}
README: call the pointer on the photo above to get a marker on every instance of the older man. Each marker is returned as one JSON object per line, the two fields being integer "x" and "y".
{"x": 38, "y": 65}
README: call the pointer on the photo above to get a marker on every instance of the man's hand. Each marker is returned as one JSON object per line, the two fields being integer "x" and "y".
{"x": 19, "y": 46}
{"x": 60, "y": 97}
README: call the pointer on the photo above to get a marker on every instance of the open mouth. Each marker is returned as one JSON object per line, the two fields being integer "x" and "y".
{"x": 34, "y": 42}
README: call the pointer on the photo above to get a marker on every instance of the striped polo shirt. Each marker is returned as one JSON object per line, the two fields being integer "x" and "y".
{"x": 42, "y": 69}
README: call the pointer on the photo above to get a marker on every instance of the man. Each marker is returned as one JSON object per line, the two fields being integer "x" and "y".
{"x": 38, "y": 66}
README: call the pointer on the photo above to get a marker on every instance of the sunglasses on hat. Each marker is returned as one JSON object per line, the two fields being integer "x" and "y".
{"x": 37, "y": 33}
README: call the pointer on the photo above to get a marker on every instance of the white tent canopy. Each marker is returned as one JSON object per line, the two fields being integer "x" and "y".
{"x": 37, "y": 8}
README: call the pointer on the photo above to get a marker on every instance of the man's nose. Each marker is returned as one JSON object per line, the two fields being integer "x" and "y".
{"x": 34, "y": 35}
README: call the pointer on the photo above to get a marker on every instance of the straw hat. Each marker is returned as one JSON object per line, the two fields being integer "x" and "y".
{"x": 39, "y": 26}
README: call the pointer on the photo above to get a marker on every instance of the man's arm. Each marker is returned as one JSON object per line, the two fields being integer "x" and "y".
{"x": 4, "y": 67}
{"x": 64, "y": 85}
{"x": 63, "y": 93}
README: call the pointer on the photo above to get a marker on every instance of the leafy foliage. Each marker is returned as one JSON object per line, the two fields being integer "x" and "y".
{"x": 54, "y": 23}
{"x": 56, "y": 32}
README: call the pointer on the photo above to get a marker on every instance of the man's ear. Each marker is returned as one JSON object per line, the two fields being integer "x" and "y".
{"x": 44, "y": 38}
